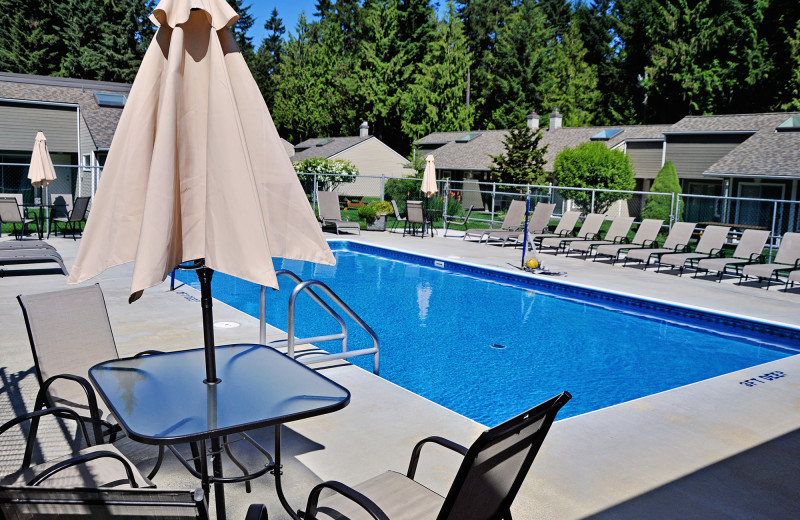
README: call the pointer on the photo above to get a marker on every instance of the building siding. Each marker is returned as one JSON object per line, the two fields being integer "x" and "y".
{"x": 372, "y": 157}
{"x": 646, "y": 158}
{"x": 21, "y": 122}
{"x": 694, "y": 154}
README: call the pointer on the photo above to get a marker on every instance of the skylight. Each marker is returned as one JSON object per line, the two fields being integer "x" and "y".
{"x": 325, "y": 141}
{"x": 110, "y": 100}
{"x": 468, "y": 137}
{"x": 606, "y": 134}
{"x": 790, "y": 125}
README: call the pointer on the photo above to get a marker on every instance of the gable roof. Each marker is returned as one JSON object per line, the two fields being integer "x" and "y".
{"x": 101, "y": 120}
{"x": 730, "y": 123}
{"x": 326, "y": 147}
{"x": 450, "y": 154}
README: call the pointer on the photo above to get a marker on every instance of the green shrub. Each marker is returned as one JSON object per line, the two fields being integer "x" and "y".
{"x": 658, "y": 206}
{"x": 337, "y": 172}
{"x": 375, "y": 209}
{"x": 594, "y": 165}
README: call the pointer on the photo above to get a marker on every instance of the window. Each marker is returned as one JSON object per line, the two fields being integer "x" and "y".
{"x": 86, "y": 162}
{"x": 110, "y": 100}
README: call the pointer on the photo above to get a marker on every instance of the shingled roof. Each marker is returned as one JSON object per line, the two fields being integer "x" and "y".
{"x": 102, "y": 121}
{"x": 475, "y": 154}
{"x": 325, "y": 147}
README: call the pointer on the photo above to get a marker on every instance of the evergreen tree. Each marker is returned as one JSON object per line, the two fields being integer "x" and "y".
{"x": 82, "y": 28}
{"x": 791, "y": 94}
{"x": 523, "y": 161}
{"x": 519, "y": 79}
{"x": 435, "y": 102}
{"x": 28, "y": 43}
{"x": 127, "y": 33}
{"x": 268, "y": 57}
{"x": 559, "y": 15}
{"x": 659, "y": 206}
{"x": 573, "y": 82}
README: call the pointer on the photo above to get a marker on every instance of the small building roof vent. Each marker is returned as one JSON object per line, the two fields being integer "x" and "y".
{"x": 325, "y": 141}
{"x": 790, "y": 125}
{"x": 605, "y": 135}
{"x": 468, "y": 137}
{"x": 105, "y": 99}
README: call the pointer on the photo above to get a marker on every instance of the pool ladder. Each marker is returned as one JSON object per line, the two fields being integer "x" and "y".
{"x": 291, "y": 340}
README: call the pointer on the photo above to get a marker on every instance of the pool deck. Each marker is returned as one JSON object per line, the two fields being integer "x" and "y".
{"x": 714, "y": 449}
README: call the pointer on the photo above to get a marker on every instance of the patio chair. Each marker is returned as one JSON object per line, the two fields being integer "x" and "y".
{"x": 588, "y": 231}
{"x": 511, "y": 222}
{"x": 460, "y": 221}
{"x": 538, "y": 222}
{"x": 73, "y": 220}
{"x": 709, "y": 246}
{"x": 564, "y": 228}
{"x": 617, "y": 234}
{"x": 749, "y": 250}
{"x": 792, "y": 278}
{"x": 33, "y": 255}
{"x": 484, "y": 487}
{"x": 645, "y": 236}
{"x": 25, "y": 244}
{"x": 677, "y": 241}
{"x": 331, "y": 215}
{"x": 397, "y": 218}
{"x": 11, "y": 213}
{"x": 786, "y": 259}
{"x": 415, "y": 216}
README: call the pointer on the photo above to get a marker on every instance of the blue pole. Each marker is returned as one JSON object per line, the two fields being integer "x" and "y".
{"x": 525, "y": 238}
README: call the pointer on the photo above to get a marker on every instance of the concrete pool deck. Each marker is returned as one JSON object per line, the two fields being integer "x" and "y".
{"x": 714, "y": 449}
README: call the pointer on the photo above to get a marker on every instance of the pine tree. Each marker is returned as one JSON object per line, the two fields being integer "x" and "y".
{"x": 435, "y": 101}
{"x": 523, "y": 162}
{"x": 82, "y": 29}
{"x": 126, "y": 34}
{"x": 268, "y": 57}
{"x": 28, "y": 43}
{"x": 240, "y": 30}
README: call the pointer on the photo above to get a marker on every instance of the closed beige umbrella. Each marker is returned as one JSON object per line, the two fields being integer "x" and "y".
{"x": 429, "y": 177}
{"x": 41, "y": 172}
{"x": 196, "y": 171}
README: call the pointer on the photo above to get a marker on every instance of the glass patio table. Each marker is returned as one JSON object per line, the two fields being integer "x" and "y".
{"x": 161, "y": 399}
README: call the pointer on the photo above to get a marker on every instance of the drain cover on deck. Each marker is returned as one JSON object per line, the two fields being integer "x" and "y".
{"x": 225, "y": 325}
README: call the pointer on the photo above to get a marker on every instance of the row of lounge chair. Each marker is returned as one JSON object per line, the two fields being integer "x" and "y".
{"x": 747, "y": 260}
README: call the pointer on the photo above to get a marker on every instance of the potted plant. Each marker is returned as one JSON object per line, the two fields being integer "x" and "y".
{"x": 374, "y": 214}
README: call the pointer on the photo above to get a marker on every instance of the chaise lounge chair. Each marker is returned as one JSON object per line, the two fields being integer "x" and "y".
{"x": 331, "y": 215}
{"x": 588, "y": 231}
{"x": 792, "y": 278}
{"x": 787, "y": 259}
{"x": 16, "y": 256}
{"x": 511, "y": 222}
{"x": 749, "y": 250}
{"x": 564, "y": 228}
{"x": 616, "y": 234}
{"x": 709, "y": 246}
{"x": 484, "y": 488}
{"x": 537, "y": 223}
{"x": 460, "y": 222}
{"x": 645, "y": 237}
{"x": 25, "y": 244}
{"x": 677, "y": 241}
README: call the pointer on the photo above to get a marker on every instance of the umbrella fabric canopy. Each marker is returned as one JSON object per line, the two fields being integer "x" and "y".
{"x": 429, "y": 177}
{"x": 196, "y": 169}
{"x": 41, "y": 171}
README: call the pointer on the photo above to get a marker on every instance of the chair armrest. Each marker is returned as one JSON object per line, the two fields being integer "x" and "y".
{"x": 683, "y": 248}
{"x": 359, "y": 498}
{"x": 757, "y": 258}
{"x": 650, "y": 243}
{"x": 91, "y": 398}
{"x": 717, "y": 252}
{"x": 82, "y": 459}
{"x": 256, "y": 512}
{"x": 412, "y": 465}
{"x": 622, "y": 240}
{"x": 147, "y": 353}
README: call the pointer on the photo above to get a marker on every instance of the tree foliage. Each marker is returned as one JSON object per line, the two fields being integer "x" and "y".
{"x": 659, "y": 206}
{"x": 593, "y": 165}
{"x": 337, "y": 171}
{"x": 523, "y": 162}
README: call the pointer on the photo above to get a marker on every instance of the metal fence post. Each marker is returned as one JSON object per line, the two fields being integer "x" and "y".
{"x": 314, "y": 195}
{"x": 673, "y": 213}
{"x": 446, "y": 199}
{"x": 383, "y": 186}
{"x": 494, "y": 192}
{"x": 774, "y": 223}
{"x": 593, "y": 191}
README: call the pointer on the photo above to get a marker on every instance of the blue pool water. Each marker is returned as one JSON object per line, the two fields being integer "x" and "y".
{"x": 489, "y": 345}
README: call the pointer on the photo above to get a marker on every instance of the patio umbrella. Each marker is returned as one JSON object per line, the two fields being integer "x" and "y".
{"x": 196, "y": 171}
{"x": 41, "y": 172}
{"x": 429, "y": 177}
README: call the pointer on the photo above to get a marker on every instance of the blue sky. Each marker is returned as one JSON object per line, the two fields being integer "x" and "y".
{"x": 288, "y": 10}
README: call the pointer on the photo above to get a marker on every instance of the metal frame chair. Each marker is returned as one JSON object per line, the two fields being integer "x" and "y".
{"x": 76, "y": 216}
{"x": 484, "y": 487}
{"x": 11, "y": 213}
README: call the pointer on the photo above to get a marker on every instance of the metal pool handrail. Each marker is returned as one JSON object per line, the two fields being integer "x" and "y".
{"x": 290, "y": 341}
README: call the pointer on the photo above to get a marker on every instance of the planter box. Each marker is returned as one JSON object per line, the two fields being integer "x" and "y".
{"x": 378, "y": 224}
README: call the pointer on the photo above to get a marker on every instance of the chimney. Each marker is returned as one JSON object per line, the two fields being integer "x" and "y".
{"x": 363, "y": 130}
{"x": 555, "y": 120}
{"x": 533, "y": 120}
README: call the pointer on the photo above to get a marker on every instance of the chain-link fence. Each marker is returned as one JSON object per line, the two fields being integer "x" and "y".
{"x": 79, "y": 181}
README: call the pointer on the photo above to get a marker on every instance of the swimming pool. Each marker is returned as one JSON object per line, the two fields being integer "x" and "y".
{"x": 489, "y": 344}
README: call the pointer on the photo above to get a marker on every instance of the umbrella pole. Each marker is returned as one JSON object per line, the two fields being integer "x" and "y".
{"x": 204, "y": 274}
